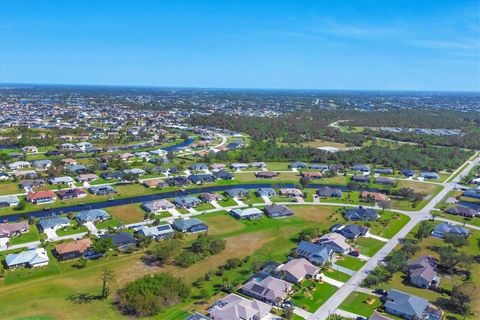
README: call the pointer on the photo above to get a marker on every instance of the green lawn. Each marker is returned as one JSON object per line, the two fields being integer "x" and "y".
{"x": 227, "y": 202}
{"x": 74, "y": 229}
{"x": 369, "y": 246}
{"x": 31, "y": 235}
{"x": 310, "y": 295}
{"x": 350, "y": 262}
{"x": 110, "y": 223}
{"x": 204, "y": 206}
{"x": 337, "y": 275}
{"x": 388, "y": 224}
{"x": 356, "y": 303}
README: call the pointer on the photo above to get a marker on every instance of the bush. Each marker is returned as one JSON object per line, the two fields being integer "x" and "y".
{"x": 150, "y": 294}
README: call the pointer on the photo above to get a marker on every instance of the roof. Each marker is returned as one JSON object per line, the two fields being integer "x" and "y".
{"x": 299, "y": 268}
{"x": 444, "y": 228}
{"x": 184, "y": 224}
{"x": 50, "y": 223}
{"x": 8, "y": 228}
{"x": 334, "y": 240}
{"x": 41, "y": 194}
{"x": 92, "y": 215}
{"x": 235, "y": 307}
{"x": 74, "y": 246}
{"x": 120, "y": 239}
{"x": 269, "y": 288}
{"x": 278, "y": 209}
{"x": 155, "y": 231}
{"x": 405, "y": 303}
{"x": 9, "y": 199}
{"x": 361, "y": 213}
{"x": 247, "y": 212}
{"x": 30, "y": 257}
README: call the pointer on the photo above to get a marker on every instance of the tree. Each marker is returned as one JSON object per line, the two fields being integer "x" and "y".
{"x": 410, "y": 248}
{"x": 462, "y": 296}
{"x": 424, "y": 230}
{"x": 164, "y": 252}
{"x": 455, "y": 240}
{"x": 102, "y": 245}
{"x": 384, "y": 204}
{"x": 107, "y": 276}
{"x": 304, "y": 182}
{"x": 396, "y": 262}
{"x": 450, "y": 258}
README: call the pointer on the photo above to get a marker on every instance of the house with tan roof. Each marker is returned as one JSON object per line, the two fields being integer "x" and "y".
{"x": 73, "y": 249}
{"x": 335, "y": 241}
{"x": 235, "y": 307}
{"x": 296, "y": 270}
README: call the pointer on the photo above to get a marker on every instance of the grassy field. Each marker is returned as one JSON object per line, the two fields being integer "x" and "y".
{"x": 60, "y": 284}
{"x": 350, "y": 262}
{"x": 388, "y": 224}
{"x": 31, "y": 235}
{"x": 311, "y": 299}
{"x": 129, "y": 213}
{"x": 337, "y": 275}
{"x": 9, "y": 188}
{"x": 369, "y": 246}
{"x": 357, "y": 302}
{"x": 322, "y": 143}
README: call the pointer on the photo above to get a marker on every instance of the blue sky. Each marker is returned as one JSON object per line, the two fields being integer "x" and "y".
{"x": 349, "y": 44}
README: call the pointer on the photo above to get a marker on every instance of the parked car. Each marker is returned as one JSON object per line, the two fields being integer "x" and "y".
{"x": 354, "y": 253}
{"x": 380, "y": 292}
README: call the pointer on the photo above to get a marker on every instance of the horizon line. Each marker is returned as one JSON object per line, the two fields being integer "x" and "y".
{"x": 231, "y": 88}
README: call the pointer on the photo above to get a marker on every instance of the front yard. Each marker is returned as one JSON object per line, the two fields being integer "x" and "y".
{"x": 310, "y": 295}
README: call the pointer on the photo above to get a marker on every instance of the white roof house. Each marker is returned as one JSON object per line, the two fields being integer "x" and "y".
{"x": 30, "y": 258}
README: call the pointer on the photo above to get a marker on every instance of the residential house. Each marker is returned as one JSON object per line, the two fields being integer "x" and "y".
{"x": 201, "y": 178}
{"x": 162, "y": 231}
{"x": 122, "y": 240}
{"x": 111, "y": 175}
{"x": 319, "y": 166}
{"x": 361, "y": 214}
{"x": 265, "y": 192}
{"x": 298, "y": 165}
{"x": 223, "y": 175}
{"x": 350, "y": 231}
{"x": 159, "y": 152}
{"x": 87, "y": 177}
{"x": 42, "y": 165}
{"x": 9, "y": 201}
{"x": 53, "y": 223}
{"x": 327, "y": 192}
{"x": 373, "y": 196}
{"x": 9, "y": 230}
{"x": 71, "y": 193}
{"x": 312, "y": 175}
{"x": 156, "y": 206}
{"x": 444, "y": 228}
{"x": 315, "y": 253}
{"x": 266, "y": 174}
{"x": 239, "y": 193}
{"x": 335, "y": 241}
{"x": 361, "y": 179}
{"x": 199, "y": 167}
{"x": 154, "y": 183}
{"x": 41, "y": 197}
{"x": 405, "y": 305}
{"x": 186, "y": 202}
{"x": 239, "y": 166}
{"x": 235, "y": 307}
{"x": 18, "y": 165}
{"x": 361, "y": 168}
{"x": 84, "y": 145}
{"x": 383, "y": 170}
{"x": 472, "y": 193}
{"x": 127, "y": 156}
{"x": 258, "y": 164}
{"x": 178, "y": 181}
{"x": 134, "y": 171}
{"x": 463, "y": 211}
{"x": 61, "y": 180}
{"x": 101, "y": 190}
{"x": 218, "y": 166}
{"x": 422, "y": 272}
{"x": 291, "y": 192}
{"x": 32, "y": 183}
{"x": 191, "y": 225}
{"x": 278, "y": 211}
{"x": 30, "y": 149}
{"x": 210, "y": 197}
{"x": 25, "y": 174}
{"x": 73, "y": 249}
{"x": 429, "y": 175}
{"x": 92, "y": 215}
{"x": 248, "y": 213}
{"x": 269, "y": 289}
{"x": 32, "y": 258}
{"x": 407, "y": 172}
{"x": 296, "y": 270}
{"x": 384, "y": 181}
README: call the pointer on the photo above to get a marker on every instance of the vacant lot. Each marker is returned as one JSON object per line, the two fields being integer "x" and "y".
{"x": 361, "y": 303}
{"x": 129, "y": 213}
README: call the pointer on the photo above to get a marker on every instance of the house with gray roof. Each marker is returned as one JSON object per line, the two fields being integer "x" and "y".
{"x": 93, "y": 215}
{"x": 296, "y": 270}
{"x": 235, "y": 307}
{"x": 186, "y": 202}
{"x": 53, "y": 223}
{"x": 315, "y": 253}
{"x": 162, "y": 231}
{"x": 8, "y": 230}
{"x": 101, "y": 190}
{"x": 265, "y": 192}
{"x": 444, "y": 228}
{"x": 350, "y": 231}
{"x": 405, "y": 305}
{"x": 32, "y": 258}
{"x": 269, "y": 289}
{"x": 237, "y": 193}
{"x": 61, "y": 180}
{"x": 42, "y": 164}
{"x": 361, "y": 214}
{"x": 327, "y": 192}
{"x": 422, "y": 272}
{"x": 460, "y": 210}
{"x": 8, "y": 201}
{"x": 156, "y": 206}
{"x": 248, "y": 213}
{"x": 278, "y": 211}
{"x": 335, "y": 241}
{"x": 191, "y": 225}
